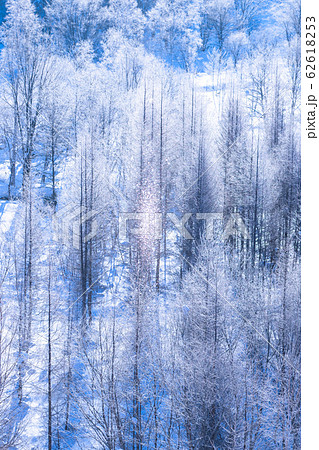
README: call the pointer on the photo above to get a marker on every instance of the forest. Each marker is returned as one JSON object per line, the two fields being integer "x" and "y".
{"x": 150, "y": 224}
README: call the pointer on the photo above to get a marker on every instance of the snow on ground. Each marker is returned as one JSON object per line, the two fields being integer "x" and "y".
{"x": 4, "y": 178}
{"x": 7, "y": 214}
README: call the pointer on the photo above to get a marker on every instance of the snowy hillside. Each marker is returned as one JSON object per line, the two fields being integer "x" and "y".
{"x": 150, "y": 225}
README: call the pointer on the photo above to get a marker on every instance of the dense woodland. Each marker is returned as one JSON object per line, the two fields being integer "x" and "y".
{"x": 174, "y": 108}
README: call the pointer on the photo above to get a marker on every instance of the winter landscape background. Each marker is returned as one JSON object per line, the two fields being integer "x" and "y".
{"x": 113, "y": 336}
